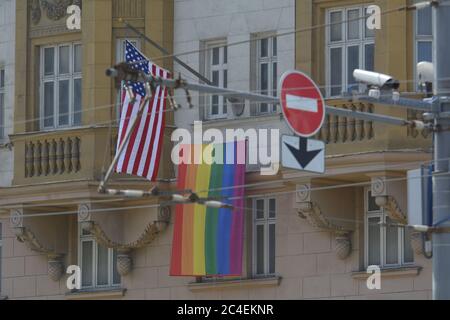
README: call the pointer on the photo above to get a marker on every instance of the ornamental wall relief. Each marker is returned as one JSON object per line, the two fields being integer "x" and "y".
{"x": 53, "y": 9}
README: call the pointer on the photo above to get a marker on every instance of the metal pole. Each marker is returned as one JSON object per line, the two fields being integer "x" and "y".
{"x": 163, "y": 50}
{"x": 125, "y": 141}
{"x": 231, "y": 93}
{"x": 441, "y": 183}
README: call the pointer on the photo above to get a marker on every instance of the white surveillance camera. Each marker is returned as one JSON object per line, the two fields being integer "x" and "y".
{"x": 425, "y": 72}
{"x": 375, "y": 79}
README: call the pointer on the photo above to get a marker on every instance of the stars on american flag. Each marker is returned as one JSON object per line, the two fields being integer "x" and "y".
{"x": 138, "y": 62}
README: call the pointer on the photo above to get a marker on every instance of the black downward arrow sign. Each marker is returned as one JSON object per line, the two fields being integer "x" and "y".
{"x": 303, "y": 156}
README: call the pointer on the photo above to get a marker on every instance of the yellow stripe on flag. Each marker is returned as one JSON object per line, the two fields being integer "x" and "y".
{"x": 202, "y": 184}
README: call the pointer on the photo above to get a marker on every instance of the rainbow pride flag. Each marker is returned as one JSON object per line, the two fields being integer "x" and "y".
{"x": 209, "y": 241}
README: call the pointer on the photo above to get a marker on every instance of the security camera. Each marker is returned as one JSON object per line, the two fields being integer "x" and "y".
{"x": 425, "y": 74}
{"x": 375, "y": 79}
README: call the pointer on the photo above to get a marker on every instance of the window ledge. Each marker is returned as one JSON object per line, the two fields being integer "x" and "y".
{"x": 390, "y": 272}
{"x": 234, "y": 283}
{"x": 96, "y": 293}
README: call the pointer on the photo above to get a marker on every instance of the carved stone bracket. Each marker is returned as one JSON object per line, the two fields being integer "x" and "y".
{"x": 124, "y": 260}
{"x": 55, "y": 264}
{"x": 392, "y": 208}
{"x": 312, "y": 213}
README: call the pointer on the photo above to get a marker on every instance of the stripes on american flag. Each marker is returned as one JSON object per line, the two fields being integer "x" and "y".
{"x": 142, "y": 153}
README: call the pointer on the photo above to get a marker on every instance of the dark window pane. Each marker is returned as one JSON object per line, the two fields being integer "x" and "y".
{"x": 336, "y": 26}
{"x": 264, "y": 48}
{"x": 86, "y": 264}
{"x": 264, "y": 81}
{"x": 272, "y": 248}
{"x": 63, "y": 102}
{"x": 215, "y": 56}
{"x": 275, "y": 46}
{"x": 352, "y": 63}
{"x": 2, "y": 79}
{"x": 102, "y": 265}
{"x": 260, "y": 249}
{"x": 49, "y": 101}
{"x": 215, "y": 105}
{"x": 272, "y": 208}
{"x": 336, "y": 71}
{"x": 374, "y": 241}
{"x": 369, "y": 57}
{"x": 225, "y": 78}
{"x": 424, "y": 22}
{"x": 49, "y": 61}
{"x": 259, "y": 209}
{"x": 424, "y": 51}
{"x": 116, "y": 275}
{"x": 77, "y": 102}
{"x": 77, "y": 58}
{"x": 408, "y": 254}
{"x": 353, "y": 24}
{"x": 391, "y": 242}
{"x": 274, "y": 79}
{"x": 64, "y": 60}
{"x": 215, "y": 78}
{"x": 225, "y": 55}
{"x": 372, "y": 205}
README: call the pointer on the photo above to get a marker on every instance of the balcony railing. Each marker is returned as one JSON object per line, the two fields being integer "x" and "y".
{"x": 338, "y": 129}
{"x": 52, "y": 156}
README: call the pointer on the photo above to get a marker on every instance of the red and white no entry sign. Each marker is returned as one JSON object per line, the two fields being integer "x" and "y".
{"x": 302, "y": 103}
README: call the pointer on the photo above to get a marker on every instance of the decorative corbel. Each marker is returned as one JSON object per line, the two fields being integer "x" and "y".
{"x": 124, "y": 260}
{"x": 387, "y": 201}
{"x": 55, "y": 264}
{"x": 311, "y": 212}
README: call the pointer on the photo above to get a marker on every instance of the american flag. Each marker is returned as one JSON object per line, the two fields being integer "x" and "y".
{"x": 142, "y": 153}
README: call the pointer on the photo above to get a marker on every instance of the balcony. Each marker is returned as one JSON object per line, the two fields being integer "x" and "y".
{"x": 60, "y": 155}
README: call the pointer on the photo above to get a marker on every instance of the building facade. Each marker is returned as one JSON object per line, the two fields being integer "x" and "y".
{"x": 7, "y": 45}
{"x": 306, "y": 236}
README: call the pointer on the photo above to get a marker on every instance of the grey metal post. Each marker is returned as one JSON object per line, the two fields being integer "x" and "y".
{"x": 441, "y": 181}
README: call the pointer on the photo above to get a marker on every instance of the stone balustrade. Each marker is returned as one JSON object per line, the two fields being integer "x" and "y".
{"x": 52, "y": 156}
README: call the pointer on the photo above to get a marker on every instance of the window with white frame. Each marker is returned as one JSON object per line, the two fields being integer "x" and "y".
{"x": 120, "y": 57}
{"x": 60, "y": 85}
{"x": 386, "y": 244}
{"x": 264, "y": 221}
{"x": 267, "y": 69}
{"x": 350, "y": 46}
{"x": 2, "y": 103}
{"x": 98, "y": 264}
{"x": 216, "y": 69}
{"x": 423, "y": 35}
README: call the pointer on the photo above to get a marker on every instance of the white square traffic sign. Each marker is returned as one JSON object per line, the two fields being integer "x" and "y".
{"x": 303, "y": 154}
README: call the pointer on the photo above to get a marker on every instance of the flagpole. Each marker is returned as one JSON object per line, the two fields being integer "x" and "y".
{"x": 127, "y": 137}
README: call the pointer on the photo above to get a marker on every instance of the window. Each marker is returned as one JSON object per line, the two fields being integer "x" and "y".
{"x": 387, "y": 244}
{"x": 216, "y": 69}
{"x": 2, "y": 103}
{"x": 423, "y": 35}
{"x": 264, "y": 219}
{"x": 98, "y": 264}
{"x": 350, "y": 46}
{"x": 267, "y": 71}
{"x": 60, "y": 86}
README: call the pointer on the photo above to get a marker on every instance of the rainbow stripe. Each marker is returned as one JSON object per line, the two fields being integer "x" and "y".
{"x": 208, "y": 241}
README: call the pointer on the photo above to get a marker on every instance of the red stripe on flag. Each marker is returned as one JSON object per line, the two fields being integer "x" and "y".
{"x": 175, "y": 265}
